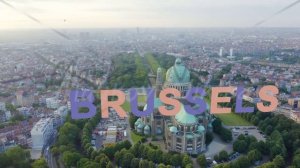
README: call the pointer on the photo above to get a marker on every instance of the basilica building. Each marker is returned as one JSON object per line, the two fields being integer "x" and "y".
{"x": 184, "y": 133}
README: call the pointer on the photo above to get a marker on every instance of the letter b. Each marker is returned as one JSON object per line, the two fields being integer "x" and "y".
{"x": 82, "y": 98}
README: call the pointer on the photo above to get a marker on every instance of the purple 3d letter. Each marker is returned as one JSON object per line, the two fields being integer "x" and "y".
{"x": 239, "y": 102}
{"x": 80, "y": 98}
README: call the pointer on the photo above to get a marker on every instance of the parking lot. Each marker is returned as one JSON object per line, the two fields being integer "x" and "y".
{"x": 110, "y": 130}
{"x": 247, "y": 130}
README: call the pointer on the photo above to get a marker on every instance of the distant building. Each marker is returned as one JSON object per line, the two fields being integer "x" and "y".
{"x": 60, "y": 115}
{"x": 41, "y": 133}
{"x": 25, "y": 111}
{"x": 2, "y": 106}
{"x": 52, "y": 103}
{"x": 24, "y": 98}
{"x": 221, "y": 52}
{"x": 294, "y": 102}
{"x": 7, "y": 115}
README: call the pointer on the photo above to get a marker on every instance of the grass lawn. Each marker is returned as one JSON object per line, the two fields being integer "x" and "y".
{"x": 232, "y": 119}
{"x": 142, "y": 98}
{"x": 135, "y": 138}
{"x": 126, "y": 105}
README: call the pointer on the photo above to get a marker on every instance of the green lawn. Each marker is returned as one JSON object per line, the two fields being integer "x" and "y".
{"x": 135, "y": 138}
{"x": 232, "y": 119}
{"x": 126, "y": 105}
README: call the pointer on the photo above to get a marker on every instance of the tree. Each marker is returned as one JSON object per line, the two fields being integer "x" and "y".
{"x": 40, "y": 163}
{"x": 240, "y": 146}
{"x": 190, "y": 165}
{"x": 135, "y": 163}
{"x": 223, "y": 156}
{"x": 226, "y": 135}
{"x": 202, "y": 161}
{"x": 109, "y": 165}
{"x": 243, "y": 162}
{"x": 296, "y": 161}
{"x": 55, "y": 151}
{"x": 279, "y": 161}
{"x": 186, "y": 160}
{"x": 143, "y": 163}
{"x": 217, "y": 126}
{"x": 254, "y": 155}
{"x": 18, "y": 157}
{"x": 71, "y": 158}
{"x": 104, "y": 161}
{"x": 176, "y": 160}
{"x": 126, "y": 160}
{"x": 68, "y": 134}
{"x": 268, "y": 165}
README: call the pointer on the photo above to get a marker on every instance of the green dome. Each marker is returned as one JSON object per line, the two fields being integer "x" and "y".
{"x": 147, "y": 128}
{"x": 140, "y": 126}
{"x": 138, "y": 121}
{"x": 173, "y": 129}
{"x": 185, "y": 118}
{"x": 178, "y": 73}
{"x": 201, "y": 128}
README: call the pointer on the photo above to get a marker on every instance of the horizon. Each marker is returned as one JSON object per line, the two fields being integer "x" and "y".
{"x": 133, "y": 13}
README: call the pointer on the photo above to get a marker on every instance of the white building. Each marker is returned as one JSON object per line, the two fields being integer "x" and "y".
{"x": 2, "y": 106}
{"x": 52, "y": 103}
{"x": 41, "y": 132}
{"x": 61, "y": 111}
{"x": 7, "y": 115}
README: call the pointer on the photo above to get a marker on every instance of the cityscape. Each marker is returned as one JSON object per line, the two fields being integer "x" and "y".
{"x": 40, "y": 67}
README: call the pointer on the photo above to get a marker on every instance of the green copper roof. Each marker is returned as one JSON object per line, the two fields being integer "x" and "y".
{"x": 138, "y": 121}
{"x": 185, "y": 118}
{"x": 147, "y": 127}
{"x": 201, "y": 128}
{"x": 141, "y": 125}
{"x": 178, "y": 73}
{"x": 189, "y": 136}
{"x": 173, "y": 129}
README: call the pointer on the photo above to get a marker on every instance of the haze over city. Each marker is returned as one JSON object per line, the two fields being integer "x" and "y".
{"x": 141, "y": 13}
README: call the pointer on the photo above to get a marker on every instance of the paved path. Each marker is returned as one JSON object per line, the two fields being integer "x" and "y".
{"x": 216, "y": 146}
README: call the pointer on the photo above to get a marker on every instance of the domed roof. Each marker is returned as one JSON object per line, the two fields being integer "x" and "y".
{"x": 147, "y": 127}
{"x": 173, "y": 129}
{"x": 178, "y": 73}
{"x": 201, "y": 128}
{"x": 138, "y": 121}
{"x": 184, "y": 117}
{"x": 141, "y": 125}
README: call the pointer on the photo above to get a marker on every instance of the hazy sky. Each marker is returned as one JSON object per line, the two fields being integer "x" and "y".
{"x": 148, "y": 13}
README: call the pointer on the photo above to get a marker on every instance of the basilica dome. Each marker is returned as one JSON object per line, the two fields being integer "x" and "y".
{"x": 178, "y": 73}
{"x": 185, "y": 118}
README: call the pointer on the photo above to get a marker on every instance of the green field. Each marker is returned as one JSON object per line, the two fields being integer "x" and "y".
{"x": 135, "y": 138}
{"x": 126, "y": 105}
{"x": 232, "y": 119}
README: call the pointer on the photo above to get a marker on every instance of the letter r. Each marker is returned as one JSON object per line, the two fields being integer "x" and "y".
{"x": 82, "y": 98}
{"x": 105, "y": 103}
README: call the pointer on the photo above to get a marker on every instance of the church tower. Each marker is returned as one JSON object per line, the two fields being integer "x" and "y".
{"x": 159, "y": 81}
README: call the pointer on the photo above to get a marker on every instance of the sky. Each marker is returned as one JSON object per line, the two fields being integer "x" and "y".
{"x": 147, "y": 13}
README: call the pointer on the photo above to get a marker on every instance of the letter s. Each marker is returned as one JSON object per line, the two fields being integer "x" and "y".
{"x": 267, "y": 93}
